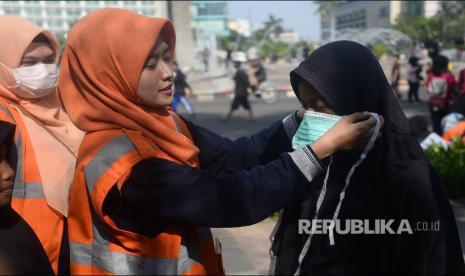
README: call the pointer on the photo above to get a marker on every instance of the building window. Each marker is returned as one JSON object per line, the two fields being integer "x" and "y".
{"x": 33, "y": 11}
{"x": 204, "y": 9}
{"x": 149, "y": 11}
{"x": 12, "y": 11}
{"x": 53, "y": 11}
{"x": 55, "y": 24}
{"x": 92, "y": 3}
{"x": 148, "y": 3}
{"x": 73, "y": 3}
{"x": 39, "y": 22}
{"x": 29, "y": 3}
{"x": 383, "y": 11}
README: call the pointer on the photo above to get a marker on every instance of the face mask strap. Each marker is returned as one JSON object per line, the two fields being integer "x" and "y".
{"x": 351, "y": 172}
{"x": 321, "y": 197}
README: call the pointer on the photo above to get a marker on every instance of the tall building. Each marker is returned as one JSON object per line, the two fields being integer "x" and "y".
{"x": 372, "y": 14}
{"x": 59, "y": 16}
{"x": 210, "y": 16}
{"x": 209, "y": 20}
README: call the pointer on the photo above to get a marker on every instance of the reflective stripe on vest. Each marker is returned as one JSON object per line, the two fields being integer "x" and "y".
{"x": 119, "y": 263}
{"x": 22, "y": 189}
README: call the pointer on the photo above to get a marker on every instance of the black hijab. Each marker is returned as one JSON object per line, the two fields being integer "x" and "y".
{"x": 395, "y": 181}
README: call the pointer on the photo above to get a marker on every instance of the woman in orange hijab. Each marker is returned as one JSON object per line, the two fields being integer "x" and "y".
{"x": 46, "y": 140}
{"x": 148, "y": 183}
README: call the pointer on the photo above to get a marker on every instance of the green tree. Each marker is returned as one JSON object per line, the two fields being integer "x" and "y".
{"x": 451, "y": 20}
{"x": 448, "y": 24}
{"x": 380, "y": 49}
{"x": 418, "y": 27}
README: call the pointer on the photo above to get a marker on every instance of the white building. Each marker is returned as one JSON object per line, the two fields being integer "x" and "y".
{"x": 59, "y": 16}
{"x": 289, "y": 37}
{"x": 372, "y": 14}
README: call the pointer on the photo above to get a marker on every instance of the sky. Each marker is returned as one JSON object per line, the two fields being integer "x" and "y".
{"x": 299, "y": 16}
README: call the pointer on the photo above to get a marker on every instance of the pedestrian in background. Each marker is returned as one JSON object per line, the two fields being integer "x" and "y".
{"x": 395, "y": 76}
{"x": 241, "y": 88}
{"x": 205, "y": 55}
{"x": 180, "y": 87}
{"x": 440, "y": 85}
{"x": 413, "y": 78}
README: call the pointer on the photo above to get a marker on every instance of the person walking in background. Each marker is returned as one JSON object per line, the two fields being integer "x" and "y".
{"x": 460, "y": 97}
{"x": 413, "y": 78}
{"x": 205, "y": 55}
{"x": 228, "y": 60}
{"x": 305, "y": 52}
{"x": 395, "y": 76}
{"x": 257, "y": 73}
{"x": 440, "y": 85}
{"x": 180, "y": 86}
{"x": 241, "y": 88}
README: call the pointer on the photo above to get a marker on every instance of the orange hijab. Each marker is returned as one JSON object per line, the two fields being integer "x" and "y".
{"x": 100, "y": 72}
{"x": 54, "y": 138}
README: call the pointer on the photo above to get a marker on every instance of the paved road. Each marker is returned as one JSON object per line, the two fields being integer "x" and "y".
{"x": 245, "y": 249}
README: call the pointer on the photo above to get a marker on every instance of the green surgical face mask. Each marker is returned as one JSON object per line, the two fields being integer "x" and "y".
{"x": 313, "y": 126}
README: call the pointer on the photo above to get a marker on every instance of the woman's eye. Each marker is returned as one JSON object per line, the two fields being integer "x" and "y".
{"x": 167, "y": 59}
{"x": 27, "y": 63}
{"x": 150, "y": 66}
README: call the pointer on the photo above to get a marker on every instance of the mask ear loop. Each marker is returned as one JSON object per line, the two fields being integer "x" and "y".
{"x": 321, "y": 197}
{"x": 351, "y": 172}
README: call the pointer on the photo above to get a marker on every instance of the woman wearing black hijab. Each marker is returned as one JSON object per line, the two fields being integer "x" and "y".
{"x": 20, "y": 250}
{"x": 395, "y": 181}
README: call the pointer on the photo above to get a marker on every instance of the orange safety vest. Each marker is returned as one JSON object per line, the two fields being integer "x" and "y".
{"x": 98, "y": 246}
{"x": 28, "y": 195}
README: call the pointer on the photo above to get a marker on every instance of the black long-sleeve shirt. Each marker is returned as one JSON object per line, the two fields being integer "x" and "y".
{"x": 239, "y": 182}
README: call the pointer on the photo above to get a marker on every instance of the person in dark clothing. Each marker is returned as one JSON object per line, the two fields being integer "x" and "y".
{"x": 241, "y": 92}
{"x": 179, "y": 95}
{"x": 20, "y": 249}
{"x": 228, "y": 60}
{"x": 395, "y": 182}
{"x": 257, "y": 74}
{"x": 413, "y": 78}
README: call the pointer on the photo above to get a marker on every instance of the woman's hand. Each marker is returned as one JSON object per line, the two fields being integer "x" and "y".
{"x": 351, "y": 132}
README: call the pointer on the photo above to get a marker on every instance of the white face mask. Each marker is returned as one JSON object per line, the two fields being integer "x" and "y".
{"x": 35, "y": 81}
